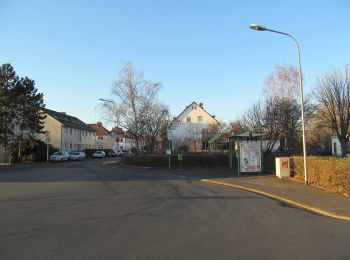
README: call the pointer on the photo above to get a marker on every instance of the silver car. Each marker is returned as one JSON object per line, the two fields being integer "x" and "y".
{"x": 77, "y": 156}
{"x": 99, "y": 154}
{"x": 59, "y": 156}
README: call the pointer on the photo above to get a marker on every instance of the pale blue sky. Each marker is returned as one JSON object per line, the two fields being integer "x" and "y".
{"x": 200, "y": 51}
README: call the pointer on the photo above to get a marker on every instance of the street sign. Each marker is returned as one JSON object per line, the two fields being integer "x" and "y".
{"x": 168, "y": 151}
{"x": 169, "y": 135}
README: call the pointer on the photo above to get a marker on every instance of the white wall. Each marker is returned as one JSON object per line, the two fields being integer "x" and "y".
{"x": 336, "y": 149}
{"x": 107, "y": 142}
{"x": 184, "y": 131}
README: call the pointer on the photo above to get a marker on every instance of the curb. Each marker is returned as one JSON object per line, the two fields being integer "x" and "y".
{"x": 273, "y": 196}
{"x": 270, "y": 195}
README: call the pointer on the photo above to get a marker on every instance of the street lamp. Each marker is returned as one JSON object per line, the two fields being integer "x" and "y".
{"x": 262, "y": 28}
{"x": 47, "y": 139}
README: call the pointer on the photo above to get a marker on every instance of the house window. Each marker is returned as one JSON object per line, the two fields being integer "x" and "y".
{"x": 335, "y": 148}
{"x": 200, "y": 119}
{"x": 121, "y": 140}
{"x": 70, "y": 145}
{"x": 188, "y": 119}
{"x": 75, "y": 146}
{"x": 70, "y": 130}
{"x": 65, "y": 145}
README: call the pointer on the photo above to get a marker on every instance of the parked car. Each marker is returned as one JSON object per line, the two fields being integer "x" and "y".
{"x": 112, "y": 154}
{"x": 99, "y": 154}
{"x": 77, "y": 156}
{"x": 59, "y": 156}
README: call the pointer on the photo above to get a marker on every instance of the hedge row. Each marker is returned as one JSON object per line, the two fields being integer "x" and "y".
{"x": 327, "y": 172}
{"x": 189, "y": 160}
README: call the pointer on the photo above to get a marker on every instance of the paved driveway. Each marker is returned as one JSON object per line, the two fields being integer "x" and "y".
{"x": 86, "y": 210}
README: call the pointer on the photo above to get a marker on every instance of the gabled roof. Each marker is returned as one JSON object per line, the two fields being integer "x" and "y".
{"x": 100, "y": 129}
{"x": 118, "y": 131}
{"x": 201, "y": 107}
{"x": 67, "y": 120}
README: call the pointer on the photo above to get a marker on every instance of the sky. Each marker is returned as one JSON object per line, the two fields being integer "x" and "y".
{"x": 200, "y": 51}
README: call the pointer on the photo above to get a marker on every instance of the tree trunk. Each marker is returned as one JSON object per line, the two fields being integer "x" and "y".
{"x": 343, "y": 142}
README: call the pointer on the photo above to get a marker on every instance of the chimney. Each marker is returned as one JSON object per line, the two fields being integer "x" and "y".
{"x": 64, "y": 113}
{"x": 201, "y": 105}
{"x": 99, "y": 123}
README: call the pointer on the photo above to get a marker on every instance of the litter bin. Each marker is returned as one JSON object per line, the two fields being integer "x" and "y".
{"x": 282, "y": 167}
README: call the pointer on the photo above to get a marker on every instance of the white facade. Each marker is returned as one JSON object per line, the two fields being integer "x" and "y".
{"x": 104, "y": 139}
{"x": 189, "y": 126}
{"x": 336, "y": 148}
{"x": 67, "y": 137}
{"x": 125, "y": 144}
{"x": 105, "y": 142}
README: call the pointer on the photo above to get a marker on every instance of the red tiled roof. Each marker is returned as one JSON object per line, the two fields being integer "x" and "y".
{"x": 100, "y": 129}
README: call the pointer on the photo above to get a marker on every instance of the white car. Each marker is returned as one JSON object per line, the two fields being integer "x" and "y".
{"x": 59, "y": 156}
{"x": 99, "y": 154}
{"x": 77, "y": 156}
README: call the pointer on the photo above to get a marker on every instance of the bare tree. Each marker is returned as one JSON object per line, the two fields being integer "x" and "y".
{"x": 134, "y": 105}
{"x": 156, "y": 119}
{"x": 237, "y": 127}
{"x": 253, "y": 118}
{"x": 333, "y": 95}
{"x": 283, "y": 82}
{"x": 277, "y": 118}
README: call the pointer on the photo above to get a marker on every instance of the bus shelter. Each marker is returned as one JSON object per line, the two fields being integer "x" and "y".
{"x": 249, "y": 153}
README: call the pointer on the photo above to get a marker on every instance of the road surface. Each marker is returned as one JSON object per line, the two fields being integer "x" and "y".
{"x": 88, "y": 210}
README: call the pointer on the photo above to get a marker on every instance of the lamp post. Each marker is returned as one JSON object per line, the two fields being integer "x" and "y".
{"x": 262, "y": 28}
{"x": 47, "y": 135}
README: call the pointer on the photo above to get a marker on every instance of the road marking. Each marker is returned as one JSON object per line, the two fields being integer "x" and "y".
{"x": 288, "y": 201}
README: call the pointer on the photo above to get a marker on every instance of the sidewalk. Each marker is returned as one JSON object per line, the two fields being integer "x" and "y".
{"x": 288, "y": 191}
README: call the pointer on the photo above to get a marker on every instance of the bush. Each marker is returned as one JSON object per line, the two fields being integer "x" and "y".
{"x": 327, "y": 172}
{"x": 189, "y": 160}
{"x": 90, "y": 152}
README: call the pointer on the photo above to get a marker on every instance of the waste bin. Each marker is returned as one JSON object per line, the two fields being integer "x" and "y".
{"x": 282, "y": 167}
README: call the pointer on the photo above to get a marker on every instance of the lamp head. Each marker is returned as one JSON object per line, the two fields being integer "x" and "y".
{"x": 257, "y": 27}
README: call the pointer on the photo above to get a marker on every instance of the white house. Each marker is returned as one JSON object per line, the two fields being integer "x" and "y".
{"x": 192, "y": 126}
{"x": 124, "y": 141}
{"x": 104, "y": 138}
{"x": 67, "y": 133}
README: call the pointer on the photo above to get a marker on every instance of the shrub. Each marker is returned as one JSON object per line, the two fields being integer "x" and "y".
{"x": 189, "y": 160}
{"x": 327, "y": 172}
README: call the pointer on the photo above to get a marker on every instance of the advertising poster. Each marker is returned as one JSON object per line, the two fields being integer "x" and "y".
{"x": 250, "y": 157}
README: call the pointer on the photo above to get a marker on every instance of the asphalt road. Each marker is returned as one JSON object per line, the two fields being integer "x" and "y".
{"x": 86, "y": 210}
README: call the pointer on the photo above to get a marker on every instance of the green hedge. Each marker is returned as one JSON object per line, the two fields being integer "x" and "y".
{"x": 327, "y": 172}
{"x": 189, "y": 160}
